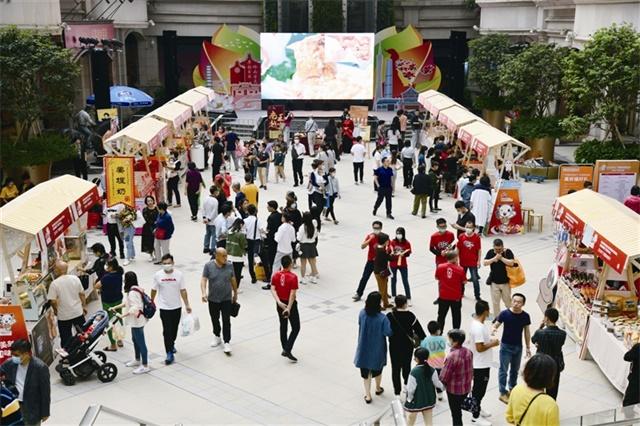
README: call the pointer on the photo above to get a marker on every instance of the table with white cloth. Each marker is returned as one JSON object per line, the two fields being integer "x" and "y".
{"x": 608, "y": 352}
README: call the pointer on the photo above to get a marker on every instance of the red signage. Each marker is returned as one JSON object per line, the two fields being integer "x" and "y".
{"x": 609, "y": 253}
{"x": 480, "y": 148}
{"x": 88, "y": 200}
{"x": 12, "y": 328}
{"x": 507, "y": 216}
{"x": 54, "y": 229}
{"x": 74, "y": 30}
{"x": 570, "y": 221}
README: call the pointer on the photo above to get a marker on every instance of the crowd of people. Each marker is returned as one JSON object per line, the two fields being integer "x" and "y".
{"x": 455, "y": 364}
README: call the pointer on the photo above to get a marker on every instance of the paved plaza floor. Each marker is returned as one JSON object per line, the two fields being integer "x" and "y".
{"x": 257, "y": 385}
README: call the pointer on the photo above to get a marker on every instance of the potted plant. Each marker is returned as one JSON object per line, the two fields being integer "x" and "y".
{"x": 36, "y": 155}
{"x": 488, "y": 54}
{"x": 531, "y": 80}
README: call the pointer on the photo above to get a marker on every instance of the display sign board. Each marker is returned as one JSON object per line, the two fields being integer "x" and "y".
{"x": 107, "y": 114}
{"x": 614, "y": 178}
{"x": 609, "y": 253}
{"x": 506, "y": 217}
{"x": 119, "y": 181}
{"x": 573, "y": 176}
{"x": 275, "y": 120}
{"x": 12, "y": 328}
{"x": 359, "y": 114}
{"x": 42, "y": 335}
{"x": 97, "y": 30}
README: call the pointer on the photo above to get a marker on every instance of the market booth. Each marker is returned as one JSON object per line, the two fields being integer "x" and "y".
{"x": 495, "y": 150}
{"x": 596, "y": 276}
{"x": 45, "y": 224}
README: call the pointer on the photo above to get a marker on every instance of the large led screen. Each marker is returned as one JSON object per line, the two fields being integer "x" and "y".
{"x": 317, "y": 66}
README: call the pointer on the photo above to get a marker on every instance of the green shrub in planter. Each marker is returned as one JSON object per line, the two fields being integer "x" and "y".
{"x": 592, "y": 150}
{"x": 526, "y": 128}
{"x": 41, "y": 149}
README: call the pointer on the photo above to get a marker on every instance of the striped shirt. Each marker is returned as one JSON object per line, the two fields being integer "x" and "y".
{"x": 457, "y": 373}
{"x": 549, "y": 340}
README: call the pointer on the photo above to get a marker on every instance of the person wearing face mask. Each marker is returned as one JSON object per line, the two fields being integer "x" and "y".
{"x": 169, "y": 286}
{"x": 441, "y": 241}
{"x": 370, "y": 242}
{"x": 174, "y": 165}
{"x": 297, "y": 152}
{"x": 469, "y": 246}
{"x": 31, "y": 378}
{"x": 333, "y": 192}
{"x": 163, "y": 230}
{"x": 68, "y": 301}
{"x": 451, "y": 280}
{"x": 400, "y": 250}
{"x": 498, "y": 258}
{"x": 383, "y": 179}
{"x": 464, "y": 216}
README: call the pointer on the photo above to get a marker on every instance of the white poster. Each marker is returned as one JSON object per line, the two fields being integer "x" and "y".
{"x": 616, "y": 186}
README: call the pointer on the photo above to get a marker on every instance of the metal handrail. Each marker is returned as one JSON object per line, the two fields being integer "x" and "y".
{"x": 94, "y": 410}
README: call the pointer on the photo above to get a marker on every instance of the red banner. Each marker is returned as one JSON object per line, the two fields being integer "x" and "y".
{"x": 87, "y": 201}
{"x": 275, "y": 120}
{"x": 570, "y": 221}
{"x": 54, "y": 229}
{"x": 609, "y": 253}
{"x": 506, "y": 217}
{"x": 12, "y": 328}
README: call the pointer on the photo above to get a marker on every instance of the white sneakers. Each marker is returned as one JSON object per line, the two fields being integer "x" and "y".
{"x": 227, "y": 348}
{"x": 480, "y": 421}
{"x": 141, "y": 370}
{"x": 484, "y": 414}
{"x": 216, "y": 341}
{"x": 133, "y": 363}
{"x": 314, "y": 279}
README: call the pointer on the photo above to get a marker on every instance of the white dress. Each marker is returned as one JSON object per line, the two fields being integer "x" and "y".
{"x": 481, "y": 206}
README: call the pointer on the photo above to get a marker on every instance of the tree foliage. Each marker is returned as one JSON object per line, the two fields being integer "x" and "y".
{"x": 488, "y": 55}
{"x": 327, "y": 16}
{"x": 37, "y": 78}
{"x": 602, "y": 81}
{"x": 531, "y": 80}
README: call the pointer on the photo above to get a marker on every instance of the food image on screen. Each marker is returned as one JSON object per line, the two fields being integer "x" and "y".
{"x": 317, "y": 66}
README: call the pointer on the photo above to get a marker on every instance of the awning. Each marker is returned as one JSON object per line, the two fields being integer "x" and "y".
{"x": 456, "y": 117}
{"x": 435, "y": 104}
{"x": 467, "y": 132}
{"x": 46, "y": 211}
{"x": 211, "y": 95}
{"x": 146, "y": 131}
{"x": 422, "y": 97}
{"x": 195, "y": 99}
{"x": 613, "y": 226}
{"x": 483, "y": 142}
{"x": 173, "y": 113}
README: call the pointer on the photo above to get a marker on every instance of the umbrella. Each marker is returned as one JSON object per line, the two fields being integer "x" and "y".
{"x": 123, "y": 96}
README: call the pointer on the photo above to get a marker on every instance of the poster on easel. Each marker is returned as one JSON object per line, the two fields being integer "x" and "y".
{"x": 506, "y": 215}
{"x": 359, "y": 115}
{"x": 614, "y": 178}
{"x": 275, "y": 120}
{"x": 573, "y": 177}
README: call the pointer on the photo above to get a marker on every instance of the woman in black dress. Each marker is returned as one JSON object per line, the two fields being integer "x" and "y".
{"x": 405, "y": 327}
{"x": 150, "y": 214}
{"x": 331, "y": 137}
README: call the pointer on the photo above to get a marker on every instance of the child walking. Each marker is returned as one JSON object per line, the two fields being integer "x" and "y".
{"x": 421, "y": 388}
{"x": 436, "y": 344}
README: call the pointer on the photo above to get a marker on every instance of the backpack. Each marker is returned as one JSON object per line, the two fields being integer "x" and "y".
{"x": 148, "y": 306}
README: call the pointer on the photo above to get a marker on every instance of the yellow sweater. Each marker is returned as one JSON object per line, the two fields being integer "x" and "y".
{"x": 542, "y": 412}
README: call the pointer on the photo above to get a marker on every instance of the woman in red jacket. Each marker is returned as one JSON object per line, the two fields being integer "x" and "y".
{"x": 400, "y": 250}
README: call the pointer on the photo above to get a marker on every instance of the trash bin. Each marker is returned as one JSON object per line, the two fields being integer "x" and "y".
{"x": 197, "y": 156}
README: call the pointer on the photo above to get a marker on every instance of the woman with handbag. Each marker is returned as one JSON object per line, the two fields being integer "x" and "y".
{"x": 407, "y": 335}
{"x": 163, "y": 230}
{"x": 529, "y": 405}
{"x": 381, "y": 268}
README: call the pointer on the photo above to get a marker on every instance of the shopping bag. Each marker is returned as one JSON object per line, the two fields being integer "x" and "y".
{"x": 235, "y": 309}
{"x": 189, "y": 324}
{"x": 118, "y": 332}
{"x": 258, "y": 269}
{"x": 470, "y": 404}
{"x": 516, "y": 274}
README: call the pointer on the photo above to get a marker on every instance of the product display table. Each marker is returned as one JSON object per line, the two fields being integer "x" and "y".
{"x": 607, "y": 352}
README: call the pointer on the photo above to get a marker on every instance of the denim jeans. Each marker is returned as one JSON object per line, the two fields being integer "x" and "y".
{"x": 210, "y": 237}
{"x": 475, "y": 279}
{"x": 405, "y": 281}
{"x": 510, "y": 357}
{"x": 128, "y": 234}
{"x": 139, "y": 345}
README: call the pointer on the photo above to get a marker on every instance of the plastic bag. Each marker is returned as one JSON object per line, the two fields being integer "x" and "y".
{"x": 118, "y": 331}
{"x": 189, "y": 324}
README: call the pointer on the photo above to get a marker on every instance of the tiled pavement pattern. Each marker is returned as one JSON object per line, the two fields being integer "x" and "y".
{"x": 255, "y": 384}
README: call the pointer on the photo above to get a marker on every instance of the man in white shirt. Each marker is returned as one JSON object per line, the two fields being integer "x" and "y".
{"x": 297, "y": 159}
{"x": 285, "y": 238}
{"x": 113, "y": 232}
{"x": 209, "y": 213}
{"x": 481, "y": 345}
{"x": 407, "y": 154}
{"x": 221, "y": 224}
{"x": 310, "y": 128}
{"x": 358, "y": 151}
{"x": 169, "y": 286}
{"x": 68, "y": 301}
{"x": 254, "y": 229}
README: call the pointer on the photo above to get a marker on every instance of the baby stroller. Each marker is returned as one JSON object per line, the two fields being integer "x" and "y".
{"x": 80, "y": 359}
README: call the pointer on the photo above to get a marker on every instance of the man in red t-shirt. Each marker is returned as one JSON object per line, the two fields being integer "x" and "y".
{"x": 451, "y": 279}
{"x": 370, "y": 242}
{"x": 441, "y": 241}
{"x": 469, "y": 249}
{"x": 284, "y": 287}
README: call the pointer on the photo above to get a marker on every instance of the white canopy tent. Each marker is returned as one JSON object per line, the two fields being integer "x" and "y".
{"x": 142, "y": 136}
{"x": 456, "y": 117}
{"x": 193, "y": 98}
{"x": 174, "y": 113}
{"x": 211, "y": 95}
